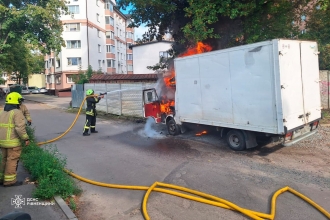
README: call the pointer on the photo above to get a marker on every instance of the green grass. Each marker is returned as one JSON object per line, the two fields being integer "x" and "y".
{"x": 46, "y": 168}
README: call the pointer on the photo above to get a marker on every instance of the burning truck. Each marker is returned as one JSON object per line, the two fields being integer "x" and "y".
{"x": 262, "y": 90}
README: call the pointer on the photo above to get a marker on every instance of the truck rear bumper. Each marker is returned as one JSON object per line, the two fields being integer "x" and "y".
{"x": 290, "y": 143}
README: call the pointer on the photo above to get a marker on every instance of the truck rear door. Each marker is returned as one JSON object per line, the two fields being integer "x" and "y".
{"x": 300, "y": 90}
{"x": 151, "y": 104}
{"x": 310, "y": 80}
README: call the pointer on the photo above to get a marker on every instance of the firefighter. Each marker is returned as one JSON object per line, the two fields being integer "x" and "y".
{"x": 25, "y": 111}
{"x": 91, "y": 112}
{"x": 12, "y": 131}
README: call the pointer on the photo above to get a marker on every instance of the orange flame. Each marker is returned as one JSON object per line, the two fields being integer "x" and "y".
{"x": 199, "y": 48}
{"x": 200, "y": 134}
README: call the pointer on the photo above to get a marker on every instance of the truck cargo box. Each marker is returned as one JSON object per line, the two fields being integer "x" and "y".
{"x": 271, "y": 87}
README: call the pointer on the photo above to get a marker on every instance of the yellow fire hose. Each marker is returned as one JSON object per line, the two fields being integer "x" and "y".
{"x": 189, "y": 193}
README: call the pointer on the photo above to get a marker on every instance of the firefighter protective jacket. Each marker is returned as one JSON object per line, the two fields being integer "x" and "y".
{"x": 25, "y": 112}
{"x": 12, "y": 128}
{"x": 91, "y": 105}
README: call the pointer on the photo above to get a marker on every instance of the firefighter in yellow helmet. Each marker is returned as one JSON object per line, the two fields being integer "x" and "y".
{"x": 25, "y": 111}
{"x": 91, "y": 112}
{"x": 12, "y": 131}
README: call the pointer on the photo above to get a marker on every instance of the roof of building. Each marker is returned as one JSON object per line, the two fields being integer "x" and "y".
{"x": 124, "y": 77}
{"x": 119, "y": 12}
{"x": 153, "y": 42}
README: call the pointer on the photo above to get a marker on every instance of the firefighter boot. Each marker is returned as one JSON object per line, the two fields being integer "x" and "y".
{"x": 93, "y": 130}
{"x": 86, "y": 132}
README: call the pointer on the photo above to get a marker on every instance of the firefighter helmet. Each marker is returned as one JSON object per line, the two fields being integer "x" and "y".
{"x": 90, "y": 92}
{"x": 13, "y": 98}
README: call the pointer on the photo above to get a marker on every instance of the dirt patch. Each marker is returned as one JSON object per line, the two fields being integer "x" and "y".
{"x": 74, "y": 204}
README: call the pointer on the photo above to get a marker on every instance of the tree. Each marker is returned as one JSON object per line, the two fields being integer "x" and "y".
{"x": 222, "y": 23}
{"x": 318, "y": 28}
{"x": 35, "y": 21}
{"x": 81, "y": 77}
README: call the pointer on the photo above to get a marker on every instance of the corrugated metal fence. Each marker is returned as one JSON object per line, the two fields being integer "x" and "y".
{"x": 325, "y": 88}
{"x": 121, "y": 99}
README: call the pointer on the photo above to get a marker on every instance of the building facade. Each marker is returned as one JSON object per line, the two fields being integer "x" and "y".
{"x": 96, "y": 34}
{"x": 149, "y": 54}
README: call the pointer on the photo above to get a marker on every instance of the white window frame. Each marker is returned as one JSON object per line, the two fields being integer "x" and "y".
{"x": 98, "y": 33}
{"x": 129, "y": 55}
{"x": 69, "y": 44}
{"x": 78, "y": 61}
{"x": 112, "y": 63}
{"x": 75, "y": 7}
{"x": 100, "y": 63}
{"x": 128, "y": 67}
{"x": 99, "y": 48}
{"x": 69, "y": 77}
{"x": 97, "y": 2}
{"x": 70, "y": 29}
{"x": 98, "y": 17}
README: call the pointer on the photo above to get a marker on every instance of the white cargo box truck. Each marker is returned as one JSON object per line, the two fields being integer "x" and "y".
{"x": 268, "y": 89}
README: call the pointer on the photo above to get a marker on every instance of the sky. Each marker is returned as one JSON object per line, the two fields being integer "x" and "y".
{"x": 137, "y": 31}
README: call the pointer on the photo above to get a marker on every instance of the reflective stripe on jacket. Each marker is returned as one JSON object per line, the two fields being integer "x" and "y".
{"x": 12, "y": 128}
{"x": 91, "y": 105}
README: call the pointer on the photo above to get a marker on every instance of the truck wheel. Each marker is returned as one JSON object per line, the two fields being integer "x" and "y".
{"x": 236, "y": 140}
{"x": 172, "y": 127}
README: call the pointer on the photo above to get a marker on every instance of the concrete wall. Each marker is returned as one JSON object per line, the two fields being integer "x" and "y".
{"x": 38, "y": 80}
{"x": 324, "y": 88}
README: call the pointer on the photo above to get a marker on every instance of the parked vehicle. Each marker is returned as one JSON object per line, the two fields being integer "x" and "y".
{"x": 43, "y": 90}
{"x": 262, "y": 90}
{"x": 36, "y": 91}
{"x": 25, "y": 90}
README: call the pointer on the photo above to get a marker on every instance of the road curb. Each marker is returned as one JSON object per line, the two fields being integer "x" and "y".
{"x": 65, "y": 208}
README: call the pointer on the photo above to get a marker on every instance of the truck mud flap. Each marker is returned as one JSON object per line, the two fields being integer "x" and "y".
{"x": 250, "y": 139}
{"x": 290, "y": 143}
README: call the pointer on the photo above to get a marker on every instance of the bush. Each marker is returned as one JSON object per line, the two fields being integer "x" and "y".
{"x": 47, "y": 169}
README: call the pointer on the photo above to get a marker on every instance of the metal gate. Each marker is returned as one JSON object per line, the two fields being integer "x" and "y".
{"x": 78, "y": 96}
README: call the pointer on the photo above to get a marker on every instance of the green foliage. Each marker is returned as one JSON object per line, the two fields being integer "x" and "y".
{"x": 46, "y": 167}
{"x": 2, "y": 81}
{"x": 223, "y": 23}
{"x": 318, "y": 28}
{"x": 81, "y": 77}
{"x": 72, "y": 204}
{"x": 33, "y": 20}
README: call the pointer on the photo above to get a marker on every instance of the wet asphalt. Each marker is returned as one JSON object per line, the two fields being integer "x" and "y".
{"x": 121, "y": 153}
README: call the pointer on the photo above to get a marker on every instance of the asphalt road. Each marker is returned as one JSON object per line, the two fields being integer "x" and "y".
{"x": 121, "y": 154}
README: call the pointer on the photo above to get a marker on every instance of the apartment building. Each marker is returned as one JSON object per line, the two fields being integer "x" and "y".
{"x": 95, "y": 34}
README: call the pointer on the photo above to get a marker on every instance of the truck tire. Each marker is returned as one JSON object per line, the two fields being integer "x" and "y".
{"x": 172, "y": 127}
{"x": 236, "y": 140}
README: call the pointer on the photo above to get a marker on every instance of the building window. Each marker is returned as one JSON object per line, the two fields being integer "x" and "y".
{"x": 109, "y": 6}
{"x": 58, "y": 80}
{"x": 129, "y": 35}
{"x": 98, "y": 33}
{"x": 100, "y": 64}
{"x": 109, "y": 20}
{"x": 72, "y": 27}
{"x": 129, "y": 56}
{"x": 73, "y": 44}
{"x": 74, "y": 9}
{"x": 98, "y": 17}
{"x": 74, "y": 61}
{"x": 163, "y": 54}
{"x": 99, "y": 48}
{"x": 111, "y": 63}
{"x": 129, "y": 67}
{"x": 110, "y": 49}
{"x": 110, "y": 35}
{"x": 97, "y": 2}
{"x": 58, "y": 63}
{"x": 128, "y": 46}
{"x": 69, "y": 79}
{"x": 50, "y": 79}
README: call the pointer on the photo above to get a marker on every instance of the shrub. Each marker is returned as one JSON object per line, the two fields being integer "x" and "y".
{"x": 46, "y": 167}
